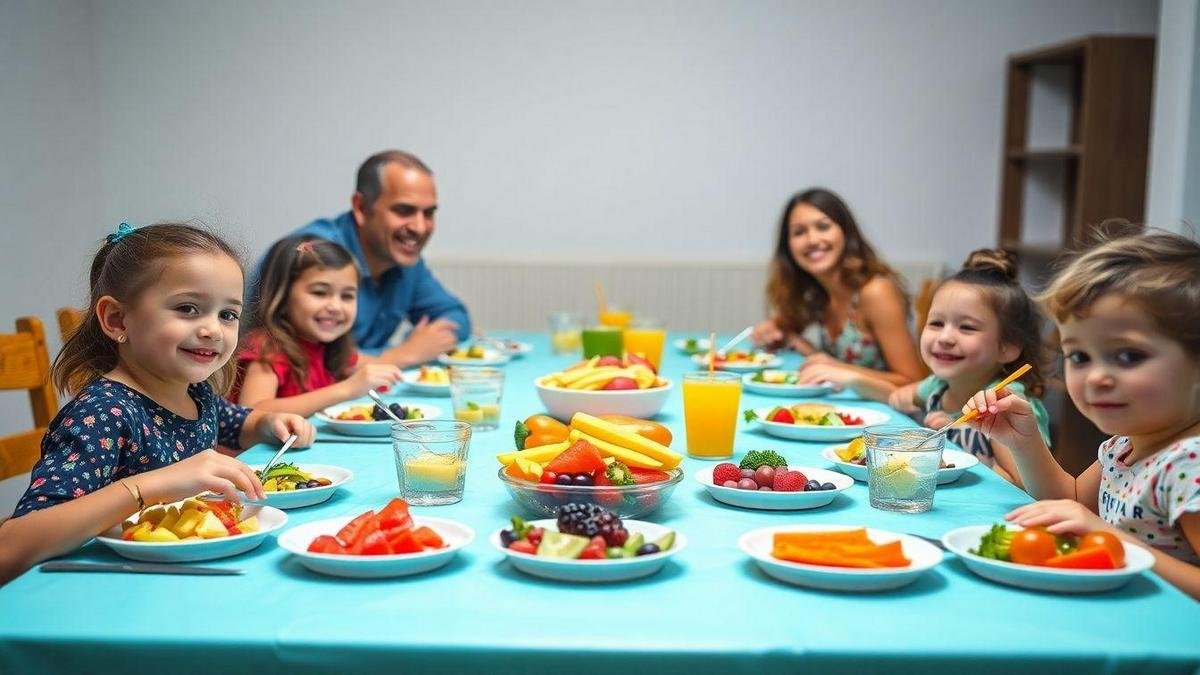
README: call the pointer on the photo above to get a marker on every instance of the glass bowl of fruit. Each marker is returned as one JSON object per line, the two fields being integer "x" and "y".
{"x": 629, "y": 492}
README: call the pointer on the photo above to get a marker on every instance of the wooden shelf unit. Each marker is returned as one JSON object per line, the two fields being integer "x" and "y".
{"x": 1101, "y": 164}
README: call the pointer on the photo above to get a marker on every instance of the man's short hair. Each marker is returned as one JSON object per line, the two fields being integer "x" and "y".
{"x": 370, "y": 174}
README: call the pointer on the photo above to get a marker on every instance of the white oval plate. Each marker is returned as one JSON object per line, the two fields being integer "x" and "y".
{"x": 778, "y": 501}
{"x": 761, "y": 361}
{"x": 195, "y": 550}
{"x": 960, "y": 541}
{"x": 791, "y": 390}
{"x": 758, "y": 544}
{"x": 962, "y": 461}
{"x": 817, "y": 433}
{"x": 373, "y": 428}
{"x": 424, "y": 388}
{"x": 595, "y": 571}
{"x": 702, "y": 345}
{"x": 296, "y": 540}
{"x": 294, "y": 499}
{"x": 491, "y": 357}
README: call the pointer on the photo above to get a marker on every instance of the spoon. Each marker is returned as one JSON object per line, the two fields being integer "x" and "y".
{"x": 379, "y": 401}
{"x": 217, "y": 497}
{"x": 968, "y": 416}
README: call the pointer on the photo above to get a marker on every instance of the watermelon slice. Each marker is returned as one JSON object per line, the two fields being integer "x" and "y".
{"x": 581, "y": 457}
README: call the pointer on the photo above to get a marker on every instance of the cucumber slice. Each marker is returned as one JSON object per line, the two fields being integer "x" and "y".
{"x": 665, "y": 542}
{"x": 633, "y": 543}
{"x": 559, "y": 545}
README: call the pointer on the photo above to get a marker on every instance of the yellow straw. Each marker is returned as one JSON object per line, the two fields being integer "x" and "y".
{"x": 967, "y": 417}
{"x": 600, "y": 297}
{"x": 712, "y": 352}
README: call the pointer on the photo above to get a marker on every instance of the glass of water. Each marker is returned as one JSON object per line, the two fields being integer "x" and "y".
{"x": 431, "y": 460}
{"x": 475, "y": 396}
{"x": 902, "y": 467}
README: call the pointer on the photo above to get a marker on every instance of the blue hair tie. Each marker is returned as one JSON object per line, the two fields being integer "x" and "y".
{"x": 123, "y": 230}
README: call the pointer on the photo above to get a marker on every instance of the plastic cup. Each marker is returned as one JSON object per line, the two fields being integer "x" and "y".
{"x": 710, "y": 413}
{"x": 646, "y": 337}
{"x": 431, "y": 460}
{"x": 566, "y": 330}
{"x": 902, "y": 467}
{"x": 475, "y": 396}
{"x": 602, "y": 341}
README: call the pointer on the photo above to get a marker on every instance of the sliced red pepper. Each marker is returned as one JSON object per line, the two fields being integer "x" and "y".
{"x": 1086, "y": 559}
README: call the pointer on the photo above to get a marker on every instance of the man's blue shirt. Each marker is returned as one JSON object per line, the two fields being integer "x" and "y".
{"x": 401, "y": 293}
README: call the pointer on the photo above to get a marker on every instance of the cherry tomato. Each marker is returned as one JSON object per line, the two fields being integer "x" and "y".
{"x": 1033, "y": 547}
{"x": 1105, "y": 540}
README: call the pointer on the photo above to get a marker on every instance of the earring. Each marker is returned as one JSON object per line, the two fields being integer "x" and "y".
{"x": 121, "y": 338}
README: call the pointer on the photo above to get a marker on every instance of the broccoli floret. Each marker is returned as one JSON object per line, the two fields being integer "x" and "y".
{"x": 619, "y": 474}
{"x": 995, "y": 544}
{"x": 757, "y": 458}
{"x": 520, "y": 433}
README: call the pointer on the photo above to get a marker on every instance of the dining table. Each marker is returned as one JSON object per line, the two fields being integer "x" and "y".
{"x": 710, "y": 609}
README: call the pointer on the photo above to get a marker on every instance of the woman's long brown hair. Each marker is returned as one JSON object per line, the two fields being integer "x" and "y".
{"x": 795, "y": 296}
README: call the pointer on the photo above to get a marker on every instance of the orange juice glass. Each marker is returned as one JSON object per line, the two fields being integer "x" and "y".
{"x": 646, "y": 337}
{"x": 710, "y": 412}
{"x": 615, "y": 316}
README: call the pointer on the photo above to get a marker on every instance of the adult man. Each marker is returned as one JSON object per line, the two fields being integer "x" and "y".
{"x": 391, "y": 218}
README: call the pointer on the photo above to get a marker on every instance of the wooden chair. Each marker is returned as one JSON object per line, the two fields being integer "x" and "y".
{"x": 69, "y": 320}
{"x": 25, "y": 364}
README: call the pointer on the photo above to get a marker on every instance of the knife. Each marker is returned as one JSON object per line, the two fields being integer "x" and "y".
{"x": 135, "y": 568}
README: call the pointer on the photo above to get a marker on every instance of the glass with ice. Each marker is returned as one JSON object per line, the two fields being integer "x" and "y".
{"x": 475, "y": 396}
{"x": 431, "y": 460}
{"x": 902, "y": 467}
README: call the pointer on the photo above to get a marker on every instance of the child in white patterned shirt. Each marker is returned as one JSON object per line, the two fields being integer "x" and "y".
{"x": 1127, "y": 314}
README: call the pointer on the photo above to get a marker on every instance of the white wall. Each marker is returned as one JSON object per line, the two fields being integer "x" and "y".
{"x": 1173, "y": 180}
{"x": 667, "y": 130}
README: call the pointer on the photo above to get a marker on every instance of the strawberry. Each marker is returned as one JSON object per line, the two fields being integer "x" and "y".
{"x": 781, "y": 415}
{"x": 534, "y": 536}
{"x": 641, "y": 475}
{"x": 726, "y": 471}
{"x": 581, "y": 457}
{"x": 789, "y": 481}
{"x": 523, "y": 546}
{"x": 594, "y": 550}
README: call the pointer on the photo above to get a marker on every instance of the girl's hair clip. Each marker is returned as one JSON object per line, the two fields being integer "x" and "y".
{"x": 123, "y": 230}
{"x": 304, "y": 247}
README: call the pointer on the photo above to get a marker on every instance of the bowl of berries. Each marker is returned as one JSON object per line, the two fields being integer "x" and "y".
{"x": 587, "y": 543}
{"x": 764, "y": 480}
{"x": 368, "y": 419}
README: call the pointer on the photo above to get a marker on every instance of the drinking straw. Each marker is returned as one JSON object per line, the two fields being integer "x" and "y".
{"x": 967, "y": 417}
{"x": 600, "y": 297}
{"x": 712, "y": 352}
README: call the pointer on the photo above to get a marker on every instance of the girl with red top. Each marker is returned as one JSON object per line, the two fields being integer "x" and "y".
{"x": 299, "y": 355}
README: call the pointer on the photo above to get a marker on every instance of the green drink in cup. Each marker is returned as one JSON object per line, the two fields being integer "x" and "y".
{"x": 602, "y": 341}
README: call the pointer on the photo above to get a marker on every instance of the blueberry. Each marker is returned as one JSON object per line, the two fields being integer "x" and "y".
{"x": 313, "y": 484}
{"x": 828, "y": 486}
{"x": 647, "y": 549}
{"x": 583, "y": 479}
{"x": 564, "y": 479}
{"x": 507, "y": 537}
{"x": 812, "y": 485}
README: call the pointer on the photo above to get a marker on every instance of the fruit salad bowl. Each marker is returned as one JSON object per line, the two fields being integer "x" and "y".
{"x": 627, "y": 501}
{"x": 640, "y": 403}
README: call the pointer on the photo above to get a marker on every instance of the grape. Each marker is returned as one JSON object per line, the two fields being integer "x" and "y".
{"x": 747, "y": 473}
{"x": 765, "y": 489}
{"x": 828, "y": 486}
{"x": 747, "y": 484}
{"x": 730, "y": 484}
{"x": 765, "y": 475}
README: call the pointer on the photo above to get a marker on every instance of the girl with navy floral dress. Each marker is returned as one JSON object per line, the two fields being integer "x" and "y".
{"x": 981, "y": 326}
{"x": 145, "y": 368}
{"x": 1132, "y": 366}
{"x": 825, "y": 274}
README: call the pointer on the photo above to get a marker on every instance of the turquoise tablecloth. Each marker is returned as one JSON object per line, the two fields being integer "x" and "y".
{"x": 711, "y": 610}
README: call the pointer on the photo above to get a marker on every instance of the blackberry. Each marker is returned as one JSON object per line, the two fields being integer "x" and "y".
{"x": 589, "y": 520}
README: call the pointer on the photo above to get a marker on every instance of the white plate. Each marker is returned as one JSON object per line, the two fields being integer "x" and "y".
{"x": 373, "y": 428}
{"x": 294, "y": 499}
{"x": 518, "y": 349}
{"x": 702, "y": 345}
{"x": 791, "y": 390}
{"x": 424, "y": 388}
{"x": 195, "y": 550}
{"x": 595, "y": 571}
{"x": 297, "y": 539}
{"x": 1137, "y": 560}
{"x": 761, "y": 361}
{"x": 777, "y": 501}
{"x": 962, "y": 461}
{"x": 817, "y": 433}
{"x": 491, "y": 357}
{"x": 758, "y": 544}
